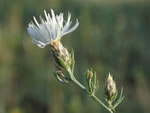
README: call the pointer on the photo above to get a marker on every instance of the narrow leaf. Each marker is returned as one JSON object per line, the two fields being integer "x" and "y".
{"x": 62, "y": 63}
{"x": 120, "y": 99}
{"x": 72, "y": 61}
{"x": 94, "y": 82}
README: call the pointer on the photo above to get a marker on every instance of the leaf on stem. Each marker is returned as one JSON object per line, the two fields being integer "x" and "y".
{"x": 120, "y": 99}
{"x": 72, "y": 61}
{"x": 61, "y": 78}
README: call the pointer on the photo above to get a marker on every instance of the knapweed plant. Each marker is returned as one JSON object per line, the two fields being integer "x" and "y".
{"x": 49, "y": 32}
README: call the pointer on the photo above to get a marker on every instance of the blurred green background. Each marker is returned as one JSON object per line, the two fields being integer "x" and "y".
{"x": 113, "y": 36}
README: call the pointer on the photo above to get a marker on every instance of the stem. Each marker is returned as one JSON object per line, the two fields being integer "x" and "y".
{"x": 74, "y": 80}
{"x": 100, "y": 102}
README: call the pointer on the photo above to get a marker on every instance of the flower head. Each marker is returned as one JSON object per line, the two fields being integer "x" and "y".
{"x": 51, "y": 30}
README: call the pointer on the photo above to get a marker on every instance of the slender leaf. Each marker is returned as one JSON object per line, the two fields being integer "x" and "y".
{"x": 72, "y": 61}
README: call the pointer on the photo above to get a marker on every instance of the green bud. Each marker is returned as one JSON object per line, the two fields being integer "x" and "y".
{"x": 89, "y": 74}
{"x": 92, "y": 81}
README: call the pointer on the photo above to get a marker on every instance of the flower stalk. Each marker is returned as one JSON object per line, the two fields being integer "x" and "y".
{"x": 91, "y": 78}
{"x": 50, "y": 32}
{"x": 93, "y": 96}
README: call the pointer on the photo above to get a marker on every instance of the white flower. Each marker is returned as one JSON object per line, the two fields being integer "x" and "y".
{"x": 51, "y": 29}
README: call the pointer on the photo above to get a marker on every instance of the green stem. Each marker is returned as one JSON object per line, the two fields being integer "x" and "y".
{"x": 100, "y": 102}
{"x": 74, "y": 80}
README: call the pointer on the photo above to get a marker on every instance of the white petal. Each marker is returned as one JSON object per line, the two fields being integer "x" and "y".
{"x": 36, "y": 33}
{"x": 68, "y": 23}
{"x": 39, "y": 43}
{"x": 53, "y": 16}
{"x": 72, "y": 29}
{"x": 46, "y": 15}
{"x": 36, "y": 21}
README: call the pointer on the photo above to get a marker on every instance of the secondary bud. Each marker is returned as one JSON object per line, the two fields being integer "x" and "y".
{"x": 92, "y": 81}
{"x": 89, "y": 74}
{"x": 110, "y": 88}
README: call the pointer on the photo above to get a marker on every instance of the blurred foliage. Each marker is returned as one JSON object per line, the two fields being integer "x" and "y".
{"x": 112, "y": 37}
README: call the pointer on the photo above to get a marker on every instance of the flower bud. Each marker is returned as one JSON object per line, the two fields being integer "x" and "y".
{"x": 110, "y": 88}
{"x": 89, "y": 74}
